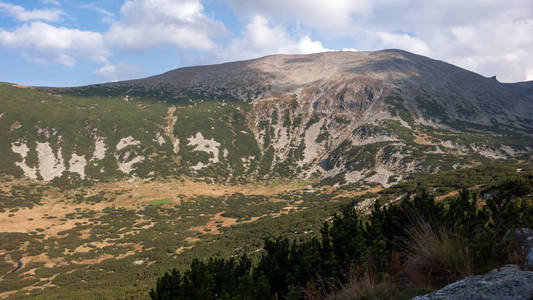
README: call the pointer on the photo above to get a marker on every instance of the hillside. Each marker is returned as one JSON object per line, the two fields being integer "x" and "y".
{"x": 344, "y": 117}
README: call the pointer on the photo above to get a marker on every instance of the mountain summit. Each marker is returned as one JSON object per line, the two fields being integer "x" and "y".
{"x": 462, "y": 94}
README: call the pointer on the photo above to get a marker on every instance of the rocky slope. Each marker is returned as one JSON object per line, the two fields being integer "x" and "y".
{"x": 340, "y": 117}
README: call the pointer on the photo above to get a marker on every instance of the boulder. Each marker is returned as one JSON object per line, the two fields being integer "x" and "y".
{"x": 520, "y": 234}
{"x": 524, "y": 238}
{"x": 505, "y": 283}
{"x": 529, "y": 261}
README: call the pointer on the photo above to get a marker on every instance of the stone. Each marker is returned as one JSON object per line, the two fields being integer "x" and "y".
{"x": 524, "y": 237}
{"x": 529, "y": 242}
{"x": 529, "y": 261}
{"x": 521, "y": 234}
{"x": 505, "y": 283}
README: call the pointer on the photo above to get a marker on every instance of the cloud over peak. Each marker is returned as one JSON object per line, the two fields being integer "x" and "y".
{"x": 490, "y": 37}
{"x": 260, "y": 38}
{"x": 150, "y": 23}
{"x": 41, "y": 42}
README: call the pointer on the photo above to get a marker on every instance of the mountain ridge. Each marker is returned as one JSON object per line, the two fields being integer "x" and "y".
{"x": 371, "y": 117}
{"x": 273, "y": 75}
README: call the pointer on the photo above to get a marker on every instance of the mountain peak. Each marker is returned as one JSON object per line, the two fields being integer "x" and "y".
{"x": 322, "y": 77}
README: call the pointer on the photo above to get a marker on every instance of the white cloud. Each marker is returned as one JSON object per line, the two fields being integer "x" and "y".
{"x": 108, "y": 17}
{"x": 328, "y": 14}
{"x": 487, "y": 36}
{"x": 21, "y": 14}
{"x": 529, "y": 74}
{"x": 53, "y": 2}
{"x": 505, "y": 49}
{"x": 259, "y": 38}
{"x": 402, "y": 41}
{"x": 122, "y": 71}
{"x": 150, "y": 23}
{"x": 306, "y": 45}
{"x": 40, "y": 42}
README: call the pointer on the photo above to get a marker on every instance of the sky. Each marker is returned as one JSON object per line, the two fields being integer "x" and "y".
{"x": 72, "y": 42}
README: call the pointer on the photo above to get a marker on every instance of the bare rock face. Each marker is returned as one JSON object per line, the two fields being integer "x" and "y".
{"x": 505, "y": 283}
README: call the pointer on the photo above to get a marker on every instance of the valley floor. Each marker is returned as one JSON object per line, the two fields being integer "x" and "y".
{"x": 114, "y": 239}
{"x": 81, "y": 238}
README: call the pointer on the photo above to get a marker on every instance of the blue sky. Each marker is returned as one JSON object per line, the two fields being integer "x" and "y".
{"x": 68, "y": 43}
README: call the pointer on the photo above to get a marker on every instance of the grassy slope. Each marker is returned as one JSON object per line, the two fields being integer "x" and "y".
{"x": 78, "y": 120}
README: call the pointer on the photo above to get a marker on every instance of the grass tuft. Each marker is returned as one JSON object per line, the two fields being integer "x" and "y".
{"x": 436, "y": 257}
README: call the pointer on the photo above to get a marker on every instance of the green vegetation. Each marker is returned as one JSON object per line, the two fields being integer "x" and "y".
{"x": 245, "y": 207}
{"x": 21, "y": 196}
{"x": 71, "y": 123}
{"x": 432, "y": 108}
{"x": 160, "y": 231}
{"x": 161, "y": 202}
{"x": 109, "y": 244}
{"x": 436, "y": 242}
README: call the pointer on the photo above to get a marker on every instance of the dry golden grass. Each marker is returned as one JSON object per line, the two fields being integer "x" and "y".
{"x": 131, "y": 196}
{"x": 54, "y": 213}
{"x": 350, "y": 194}
{"x": 424, "y": 139}
{"x": 435, "y": 256}
{"x": 360, "y": 285}
{"x": 456, "y": 192}
{"x": 217, "y": 221}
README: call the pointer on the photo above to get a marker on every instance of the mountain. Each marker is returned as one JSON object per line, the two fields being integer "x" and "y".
{"x": 317, "y": 78}
{"x": 337, "y": 117}
{"x": 104, "y": 188}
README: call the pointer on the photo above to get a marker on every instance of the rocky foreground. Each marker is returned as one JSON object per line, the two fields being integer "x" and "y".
{"x": 507, "y": 282}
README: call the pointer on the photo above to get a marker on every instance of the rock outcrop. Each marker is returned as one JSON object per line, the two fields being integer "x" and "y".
{"x": 505, "y": 283}
{"x": 524, "y": 238}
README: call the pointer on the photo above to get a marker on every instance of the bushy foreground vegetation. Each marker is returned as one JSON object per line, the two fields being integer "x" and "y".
{"x": 418, "y": 243}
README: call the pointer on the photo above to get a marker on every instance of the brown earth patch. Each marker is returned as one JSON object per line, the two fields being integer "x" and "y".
{"x": 192, "y": 239}
{"x": 456, "y": 192}
{"x": 15, "y": 125}
{"x": 349, "y": 194}
{"x": 48, "y": 262}
{"x": 84, "y": 248}
{"x": 22, "y": 86}
{"x": 145, "y": 191}
{"x": 93, "y": 260}
{"x": 424, "y": 139}
{"x": 182, "y": 248}
{"x": 138, "y": 247}
{"x": 212, "y": 226}
{"x": 218, "y": 221}
{"x": 45, "y": 217}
